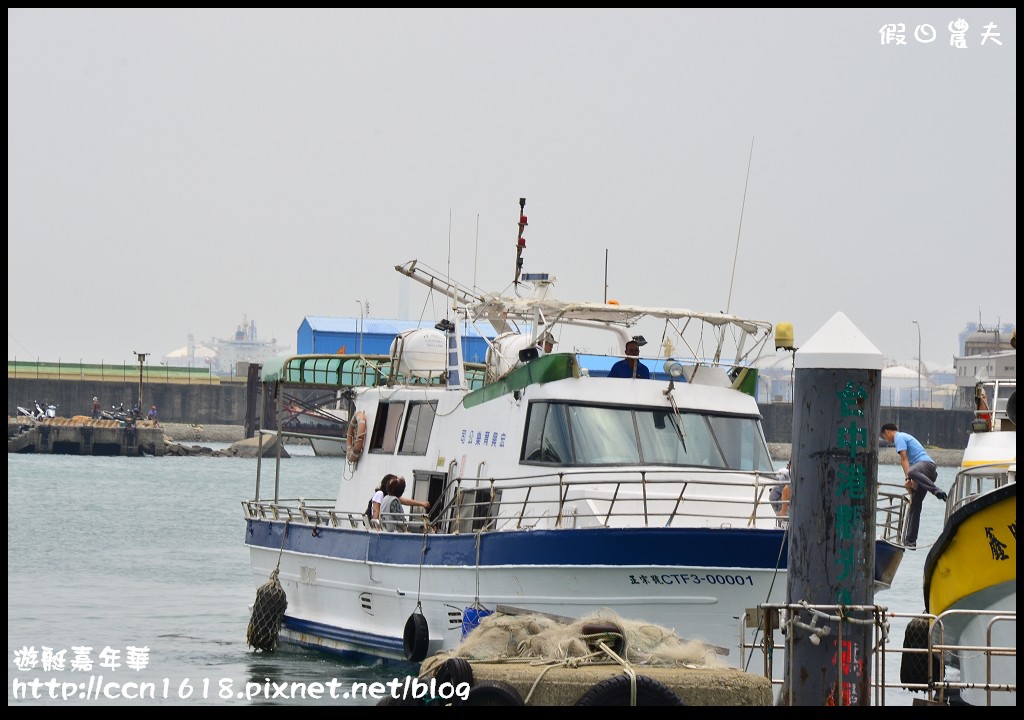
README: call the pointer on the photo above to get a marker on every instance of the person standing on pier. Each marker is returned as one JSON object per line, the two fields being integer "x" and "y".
{"x": 921, "y": 474}
{"x": 96, "y": 408}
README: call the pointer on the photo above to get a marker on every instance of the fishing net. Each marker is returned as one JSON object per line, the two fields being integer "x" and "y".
{"x": 539, "y": 638}
{"x": 267, "y": 614}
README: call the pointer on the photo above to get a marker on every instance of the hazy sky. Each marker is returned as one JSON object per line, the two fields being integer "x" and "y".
{"x": 175, "y": 171}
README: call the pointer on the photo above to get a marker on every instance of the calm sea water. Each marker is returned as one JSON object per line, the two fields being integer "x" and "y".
{"x": 147, "y": 552}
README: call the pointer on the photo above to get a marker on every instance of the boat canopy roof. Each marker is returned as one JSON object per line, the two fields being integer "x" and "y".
{"x": 532, "y": 309}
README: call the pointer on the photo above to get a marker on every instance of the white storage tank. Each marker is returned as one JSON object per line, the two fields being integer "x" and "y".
{"x": 420, "y": 353}
{"x": 503, "y": 355}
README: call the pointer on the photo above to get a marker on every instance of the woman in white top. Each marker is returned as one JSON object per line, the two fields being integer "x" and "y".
{"x": 393, "y": 490}
{"x": 373, "y": 507}
{"x": 392, "y": 515}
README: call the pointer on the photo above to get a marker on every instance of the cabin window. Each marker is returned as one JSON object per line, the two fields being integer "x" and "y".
{"x": 547, "y": 435}
{"x": 603, "y": 435}
{"x": 686, "y": 439}
{"x": 576, "y": 434}
{"x": 742, "y": 442}
{"x": 386, "y": 427}
{"x": 419, "y": 419}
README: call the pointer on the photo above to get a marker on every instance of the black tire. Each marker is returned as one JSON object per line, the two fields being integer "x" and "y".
{"x": 914, "y": 665}
{"x": 616, "y": 691}
{"x": 401, "y": 702}
{"x": 455, "y": 671}
{"x": 416, "y": 638}
{"x": 494, "y": 693}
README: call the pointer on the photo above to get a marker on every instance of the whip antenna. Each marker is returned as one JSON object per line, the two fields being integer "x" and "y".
{"x": 728, "y": 302}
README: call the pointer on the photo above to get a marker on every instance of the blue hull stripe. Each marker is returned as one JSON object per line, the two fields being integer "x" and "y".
{"x": 366, "y": 641}
{"x": 632, "y": 547}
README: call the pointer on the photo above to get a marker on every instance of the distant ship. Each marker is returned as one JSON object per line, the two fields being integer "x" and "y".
{"x": 227, "y": 356}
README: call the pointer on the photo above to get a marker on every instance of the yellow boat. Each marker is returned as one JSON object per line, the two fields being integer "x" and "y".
{"x": 970, "y": 574}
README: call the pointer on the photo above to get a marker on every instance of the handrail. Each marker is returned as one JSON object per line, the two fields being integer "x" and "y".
{"x": 780, "y": 626}
{"x": 661, "y": 498}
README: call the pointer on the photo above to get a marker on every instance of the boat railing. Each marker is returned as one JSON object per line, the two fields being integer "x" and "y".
{"x": 565, "y": 499}
{"x": 337, "y": 371}
{"x": 586, "y": 498}
{"x": 974, "y": 481}
{"x": 609, "y": 498}
{"x": 925, "y": 667}
{"x": 891, "y": 512}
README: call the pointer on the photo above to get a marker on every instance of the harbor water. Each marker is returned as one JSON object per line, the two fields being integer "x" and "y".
{"x": 139, "y": 565}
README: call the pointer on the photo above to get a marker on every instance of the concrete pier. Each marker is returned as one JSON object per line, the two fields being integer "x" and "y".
{"x": 562, "y": 685}
{"x": 82, "y": 435}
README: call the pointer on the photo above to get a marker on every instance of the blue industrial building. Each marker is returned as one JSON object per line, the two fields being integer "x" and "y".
{"x": 320, "y": 335}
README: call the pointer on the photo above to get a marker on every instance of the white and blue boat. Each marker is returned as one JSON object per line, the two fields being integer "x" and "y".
{"x": 551, "y": 488}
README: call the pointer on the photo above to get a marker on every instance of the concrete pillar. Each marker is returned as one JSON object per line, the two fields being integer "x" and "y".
{"x": 252, "y": 390}
{"x": 832, "y": 516}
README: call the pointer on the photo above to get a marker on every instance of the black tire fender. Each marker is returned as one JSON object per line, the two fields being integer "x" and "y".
{"x": 494, "y": 693}
{"x": 455, "y": 671}
{"x": 390, "y": 700}
{"x": 914, "y": 665}
{"x": 416, "y": 637}
{"x": 617, "y": 691}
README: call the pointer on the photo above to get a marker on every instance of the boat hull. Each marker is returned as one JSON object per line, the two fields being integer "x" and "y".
{"x": 978, "y": 608}
{"x": 352, "y": 591}
{"x": 328, "y": 447}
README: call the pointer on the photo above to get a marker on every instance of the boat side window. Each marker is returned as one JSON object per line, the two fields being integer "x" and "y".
{"x": 547, "y": 434}
{"x": 534, "y": 435}
{"x": 419, "y": 419}
{"x": 386, "y": 427}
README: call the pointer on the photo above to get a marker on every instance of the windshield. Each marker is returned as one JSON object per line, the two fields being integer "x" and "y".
{"x": 571, "y": 434}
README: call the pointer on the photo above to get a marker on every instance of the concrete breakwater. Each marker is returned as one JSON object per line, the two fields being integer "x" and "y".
{"x": 886, "y": 456}
{"x": 228, "y": 404}
{"x": 200, "y": 433}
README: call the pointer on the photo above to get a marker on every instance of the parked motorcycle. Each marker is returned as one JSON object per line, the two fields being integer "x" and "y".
{"x": 117, "y": 412}
{"x": 42, "y": 411}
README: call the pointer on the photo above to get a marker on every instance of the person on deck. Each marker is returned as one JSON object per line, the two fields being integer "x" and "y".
{"x": 630, "y": 366}
{"x": 921, "y": 474}
{"x": 778, "y": 496}
{"x": 96, "y": 412}
{"x": 392, "y": 515}
{"x": 545, "y": 343}
{"x": 388, "y": 488}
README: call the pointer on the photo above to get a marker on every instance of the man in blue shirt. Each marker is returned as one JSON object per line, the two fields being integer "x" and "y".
{"x": 630, "y": 366}
{"x": 920, "y": 472}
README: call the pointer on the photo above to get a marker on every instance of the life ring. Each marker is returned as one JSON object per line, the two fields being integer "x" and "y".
{"x": 416, "y": 638}
{"x": 617, "y": 690}
{"x": 356, "y": 436}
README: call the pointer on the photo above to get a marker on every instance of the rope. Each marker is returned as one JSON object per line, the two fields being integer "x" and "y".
{"x": 625, "y": 666}
{"x": 575, "y": 662}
